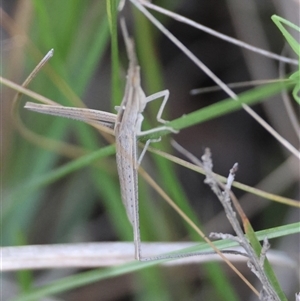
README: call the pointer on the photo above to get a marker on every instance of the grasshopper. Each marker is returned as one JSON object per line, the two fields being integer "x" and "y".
{"x": 127, "y": 125}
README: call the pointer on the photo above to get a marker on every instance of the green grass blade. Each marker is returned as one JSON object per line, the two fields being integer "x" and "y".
{"x": 111, "y": 6}
{"x": 21, "y": 194}
{"x": 68, "y": 168}
{"x": 295, "y": 46}
{"x": 227, "y": 106}
{"x": 290, "y": 39}
{"x": 267, "y": 267}
{"x": 223, "y": 107}
{"x": 86, "y": 278}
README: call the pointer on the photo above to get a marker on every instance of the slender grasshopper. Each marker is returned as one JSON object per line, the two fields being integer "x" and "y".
{"x": 127, "y": 129}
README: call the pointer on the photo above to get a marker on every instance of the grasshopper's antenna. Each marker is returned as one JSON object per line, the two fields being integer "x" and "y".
{"x": 129, "y": 43}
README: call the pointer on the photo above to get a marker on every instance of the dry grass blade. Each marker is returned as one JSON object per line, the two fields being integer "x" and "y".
{"x": 246, "y": 188}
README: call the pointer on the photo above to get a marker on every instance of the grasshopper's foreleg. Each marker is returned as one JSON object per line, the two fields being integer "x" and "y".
{"x": 165, "y": 94}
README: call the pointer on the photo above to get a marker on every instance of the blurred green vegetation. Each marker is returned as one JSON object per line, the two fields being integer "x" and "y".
{"x": 42, "y": 205}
